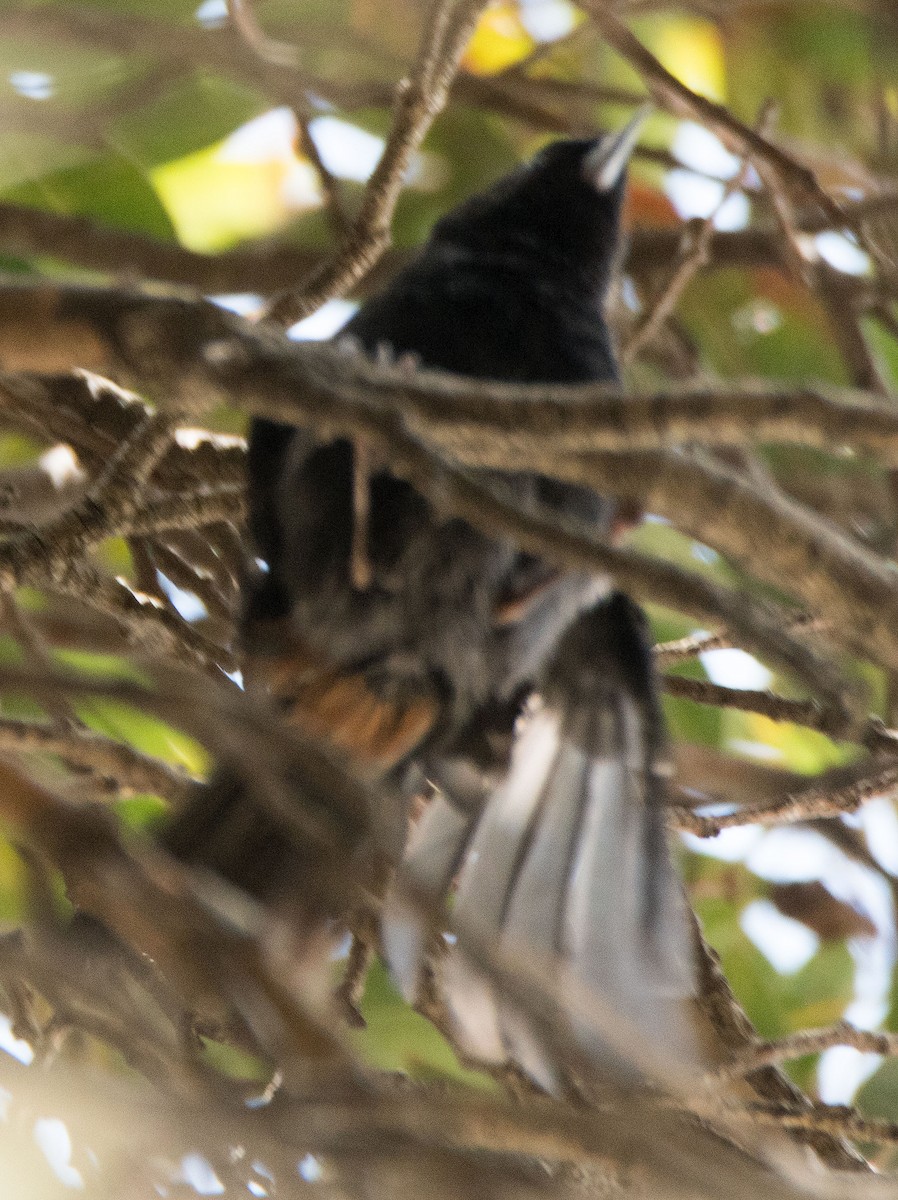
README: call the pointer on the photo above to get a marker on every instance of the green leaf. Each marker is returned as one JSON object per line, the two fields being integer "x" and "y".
{"x": 777, "y": 1004}
{"x": 819, "y": 993}
{"x": 175, "y": 10}
{"x": 145, "y": 733}
{"x": 751, "y": 976}
{"x": 234, "y": 1062}
{"x": 661, "y": 539}
{"x": 29, "y": 157}
{"x": 757, "y": 323}
{"x": 100, "y": 666}
{"x": 193, "y": 114}
{"x": 12, "y": 882}
{"x": 399, "y": 1039}
{"x": 878, "y": 1097}
{"x": 143, "y": 812}
{"x": 282, "y": 15}
{"x": 110, "y": 189}
{"x": 884, "y": 345}
{"x": 79, "y": 73}
{"x": 17, "y": 450}
{"x": 837, "y": 49}
{"x": 803, "y": 1071}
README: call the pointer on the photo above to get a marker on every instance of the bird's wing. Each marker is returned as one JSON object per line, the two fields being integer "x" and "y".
{"x": 230, "y": 827}
{"x": 569, "y": 859}
{"x": 338, "y": 706}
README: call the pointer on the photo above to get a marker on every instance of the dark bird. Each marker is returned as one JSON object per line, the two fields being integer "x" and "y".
{"x": 415, "y": 644}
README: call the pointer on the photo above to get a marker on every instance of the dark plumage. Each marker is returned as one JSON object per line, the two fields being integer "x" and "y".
{"x": 511, "y": 285}
{"x": 425, "y": 665}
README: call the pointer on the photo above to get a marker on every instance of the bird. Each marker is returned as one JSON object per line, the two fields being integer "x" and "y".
{"x": 422, "y": 650}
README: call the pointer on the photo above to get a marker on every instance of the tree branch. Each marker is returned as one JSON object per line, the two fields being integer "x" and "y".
{"x": 420, "y": 99}
{"x": 810, "y": 1041}
{"x": 812, "y": 803}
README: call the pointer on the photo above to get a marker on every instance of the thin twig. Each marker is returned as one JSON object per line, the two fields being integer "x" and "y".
{"x": 36, "y": 652}
{"x": 420, "y": 99}
{"x": 808, "y": 269}
{"x": 834, "y": 1119}
{"x": 183, "y": 576}
{"x": 719, "y": 505}
{"x": 693, "y": 255}
{"x": 330, "y": 187}
{"x": 266, "y": 268}
{"x": 810, "y": 1041}
{"x": 243, "y": 19}
{"x": 812, "y": 803}
{"x": 736, "y": 1035}
{"x": 765, "y": 703}
{"x": 187, "y": 511}
{"x": 682, "y": 101}
{"x": 668, "y": 654}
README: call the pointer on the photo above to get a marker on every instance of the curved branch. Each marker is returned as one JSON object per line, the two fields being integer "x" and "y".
{"x": 810, "y": 1041}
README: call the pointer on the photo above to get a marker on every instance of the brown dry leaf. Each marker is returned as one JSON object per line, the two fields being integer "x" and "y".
{"x": 815, "y": 906}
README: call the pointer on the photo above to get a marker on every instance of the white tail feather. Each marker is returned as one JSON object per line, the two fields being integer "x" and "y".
{"x": 568, "y": 862}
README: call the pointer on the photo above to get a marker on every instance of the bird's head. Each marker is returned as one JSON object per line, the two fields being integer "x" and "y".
{"x": 563, "y": 207}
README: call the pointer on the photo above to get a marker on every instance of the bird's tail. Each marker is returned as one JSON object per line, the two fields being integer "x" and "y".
{"x": 568, "y": 859}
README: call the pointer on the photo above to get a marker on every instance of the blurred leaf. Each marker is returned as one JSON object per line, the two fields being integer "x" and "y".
{"x": 99, "y": 666}
{"x": 174, "y": 10}
{"x": 215, "y": 201}
{"x": 803, "y": 1071}
{"x": 16, "y": 704}
{"x": 891, "y": 1017}
{"x": 111, "y": 189}
{"x": 777, "y": 1004}
{"x": 12, "y": 882}
{"x": 798, "y": 748}
{"x": 76, "y": 73}
{"x": 660, "y": 538}
{"x": 194, "y": 114}
{"x": 690, "y": 48}
{"x": 145, "y": 733}
{"x": 817, "y": 908}
{"x": 837, "y": 49}
{"x": 28, "y": 157}
{"x": 668, "y": 626}
{"x": 758, "y": 323}
{"x": 284, "y": 14}
{"x": 819, "y": 993}
{"x": 146, "y": 813}
{"x": 884, "y": 345}
{"x": 17, "y": 449}
{"x": 499, "y": 41}
{"x": 115, "y": 556}
{"x": 751, "y": 976}
{"x": 878, "y": 1097}
{"x": 399, "y": 1039}
{"x": 235, "y": 1063}
{"x": 690, "y": 722}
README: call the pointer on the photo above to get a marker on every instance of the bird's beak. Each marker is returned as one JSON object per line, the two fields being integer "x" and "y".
{"x": 606, "y": 161}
